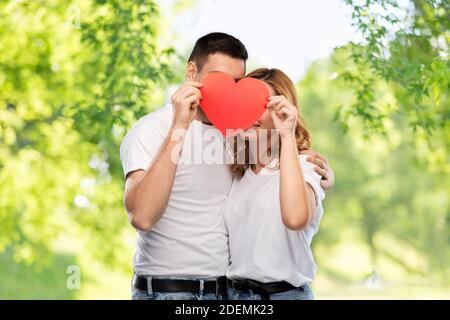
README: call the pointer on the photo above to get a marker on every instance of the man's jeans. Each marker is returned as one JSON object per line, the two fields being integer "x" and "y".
{"x": 137, "y": 294}
{"x": 296, "y": 294}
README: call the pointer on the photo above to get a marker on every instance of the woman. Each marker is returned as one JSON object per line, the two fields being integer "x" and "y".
{"x": 274, "y": 207}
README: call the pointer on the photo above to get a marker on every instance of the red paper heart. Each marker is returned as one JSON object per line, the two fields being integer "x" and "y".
{"x": 231, "y": 105}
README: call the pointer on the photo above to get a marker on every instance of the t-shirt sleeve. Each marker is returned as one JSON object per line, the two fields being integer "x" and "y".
{"x": 312, "y": 178}
{"x": 141, "y": 145}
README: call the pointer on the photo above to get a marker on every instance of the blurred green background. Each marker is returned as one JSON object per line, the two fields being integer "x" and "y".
{"x": 71, "y": 85}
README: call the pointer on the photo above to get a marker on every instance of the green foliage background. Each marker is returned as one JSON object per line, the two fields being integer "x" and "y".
{"x": 74, "y": 77}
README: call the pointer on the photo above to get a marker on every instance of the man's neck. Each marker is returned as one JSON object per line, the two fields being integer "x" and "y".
{"x": 201, "y": 116}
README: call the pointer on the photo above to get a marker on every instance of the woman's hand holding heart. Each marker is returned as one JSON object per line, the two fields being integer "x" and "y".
{"x": 284, "y": 115}
{"x": 185, "y": 102}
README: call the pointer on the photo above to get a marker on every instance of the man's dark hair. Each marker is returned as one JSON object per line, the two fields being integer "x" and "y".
{"x": 217, "y": 42}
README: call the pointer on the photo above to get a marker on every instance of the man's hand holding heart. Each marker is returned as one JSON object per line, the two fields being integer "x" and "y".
{"x": 185, "y": 102}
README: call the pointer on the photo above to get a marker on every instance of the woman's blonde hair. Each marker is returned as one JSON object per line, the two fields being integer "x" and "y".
{"x": 282, "y": 85}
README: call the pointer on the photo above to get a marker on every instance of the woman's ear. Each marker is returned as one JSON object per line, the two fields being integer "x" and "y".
{"x": 191, "y": 71}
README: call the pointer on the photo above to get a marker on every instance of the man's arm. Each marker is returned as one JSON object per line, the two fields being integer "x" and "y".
{"x": 147, "y": 192}
{"x": 322, "y": 168}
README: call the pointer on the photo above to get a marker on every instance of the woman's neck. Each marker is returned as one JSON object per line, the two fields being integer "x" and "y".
{"x": 259, "y": 165}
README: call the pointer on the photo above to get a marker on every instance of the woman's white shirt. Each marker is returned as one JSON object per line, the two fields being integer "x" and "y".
{"x": 262, "y": 248}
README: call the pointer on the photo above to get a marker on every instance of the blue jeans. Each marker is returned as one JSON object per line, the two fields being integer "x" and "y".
{"x": 138, "y": 294}
{"x": 295, "y": 294}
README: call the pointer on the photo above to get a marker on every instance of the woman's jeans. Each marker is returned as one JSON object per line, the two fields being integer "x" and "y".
{"x": 303, "y": 293}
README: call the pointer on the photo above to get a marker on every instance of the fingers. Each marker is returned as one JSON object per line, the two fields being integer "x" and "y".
{"x": 287, "y": 111}
{"x": 185, "y": 102}
{"x": 194, "y": 84}
{"x": 324, "y": 171}
{"x": 325, "y": 184}
{"x": 281, "y": 106}
{"x": 275, "y": 97}
{"x": 321, "y": 157}
{"x": 314, "y": 154}
{"x": 310, "y": 153}
{"x": 322, "y": 168}
{"x": 274, "y": 101}
{"x": 330, "y": 179}
{"x": 188, "y": 90}
{"x": 187, "y": 96}
{"x": 274, "y": 116}
{"x": 318, "y": 162}
{"x": 193, "y": 101}
{"x": 321, "y": 172}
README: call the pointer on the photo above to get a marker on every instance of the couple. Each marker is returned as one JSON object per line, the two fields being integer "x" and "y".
{"x": 217, "y": 231}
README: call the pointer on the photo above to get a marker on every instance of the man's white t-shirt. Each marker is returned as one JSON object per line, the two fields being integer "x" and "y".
{"x": 261, "y": 247}
{"x": 190, "y": 239}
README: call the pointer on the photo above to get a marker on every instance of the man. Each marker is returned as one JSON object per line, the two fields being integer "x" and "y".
{"x": 182, "y": 249}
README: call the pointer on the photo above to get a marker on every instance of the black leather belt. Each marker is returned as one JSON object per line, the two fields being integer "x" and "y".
{"x": 263, "y": 289}
{"x": 217, "y": 287}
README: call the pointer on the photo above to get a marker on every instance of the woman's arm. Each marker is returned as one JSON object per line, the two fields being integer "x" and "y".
{"x": 297, "y": 198}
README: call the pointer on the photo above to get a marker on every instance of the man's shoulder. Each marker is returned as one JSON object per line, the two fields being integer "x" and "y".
{"x": 150, "y": 130}
{"x": 156, "y": 121}
{"x": 144, "y": 138}
{"x": 160, "y": 117}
